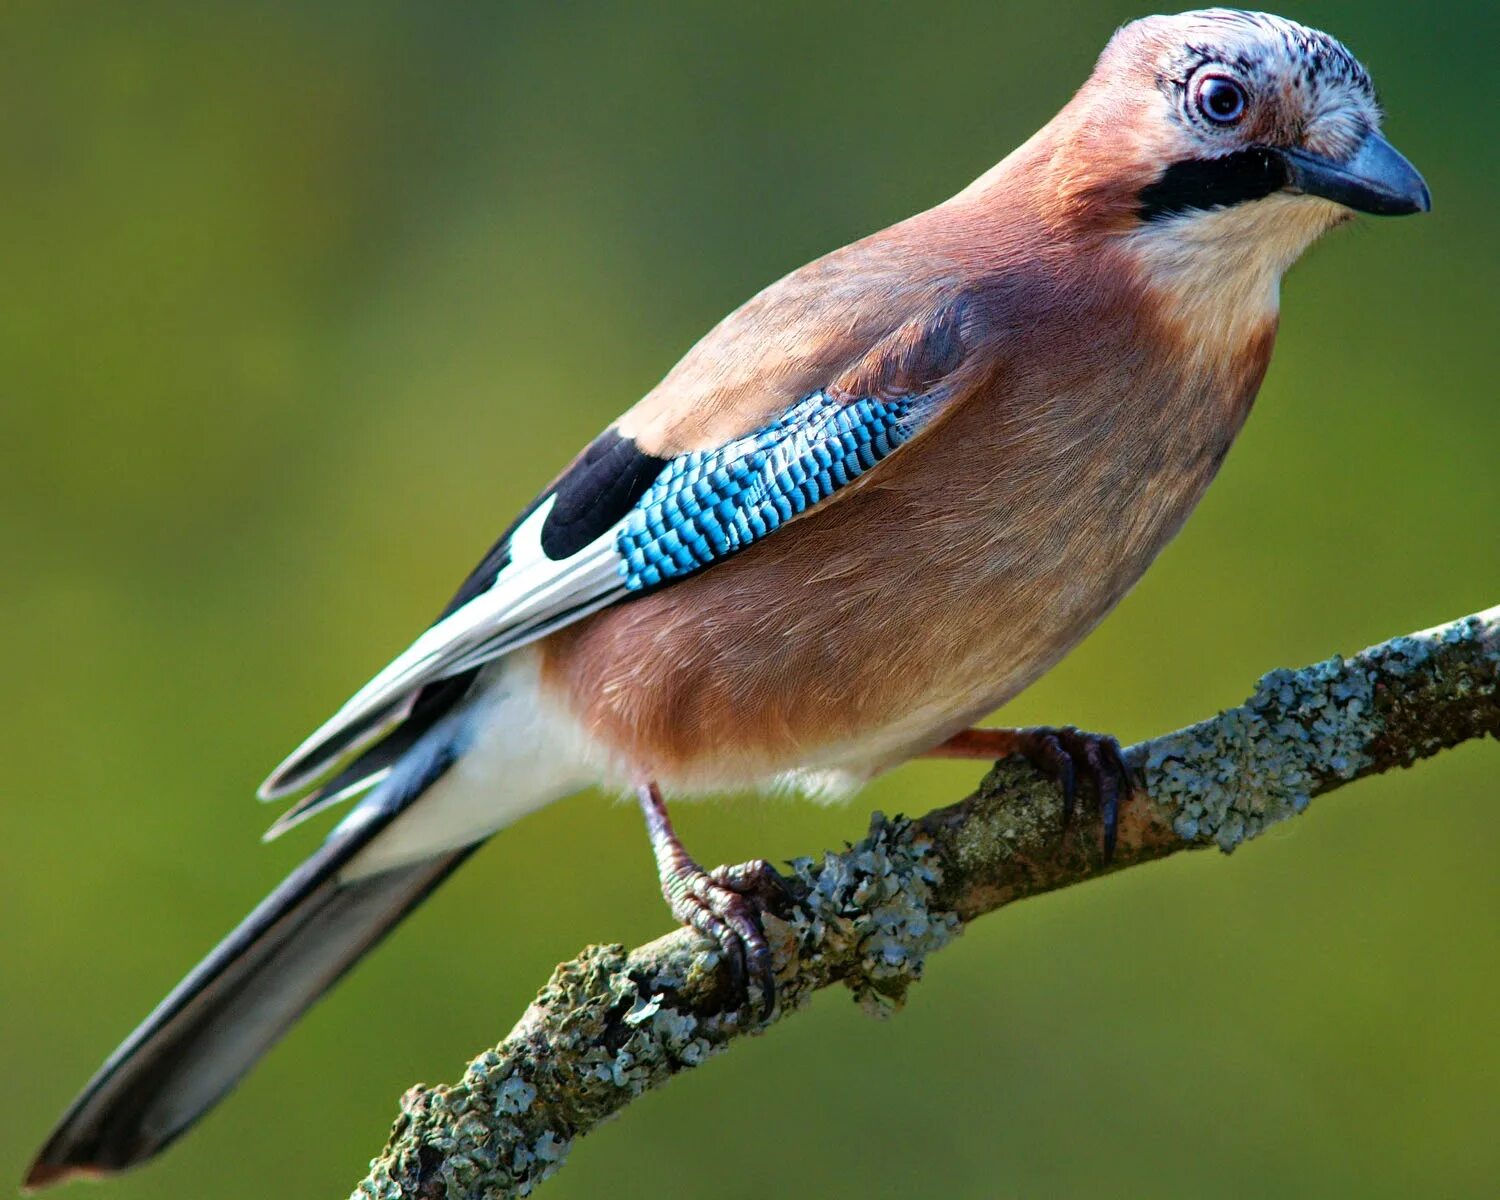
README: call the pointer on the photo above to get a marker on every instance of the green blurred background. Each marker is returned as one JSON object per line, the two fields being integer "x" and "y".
{"x": 302, "y": 302}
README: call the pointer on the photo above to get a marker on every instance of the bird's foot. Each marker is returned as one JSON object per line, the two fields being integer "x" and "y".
{"x": 725, "y": 904}
{"x": 1062, "y": 753}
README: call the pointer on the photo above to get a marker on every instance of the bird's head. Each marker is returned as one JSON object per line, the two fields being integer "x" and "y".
{"x": 1222, "y": 143}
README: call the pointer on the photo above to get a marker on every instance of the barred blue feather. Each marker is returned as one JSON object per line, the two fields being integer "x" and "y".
{"x": 698, "y": 509}
{"x": 706, "y": 505}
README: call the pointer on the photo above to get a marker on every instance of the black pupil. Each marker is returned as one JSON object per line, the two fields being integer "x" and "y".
{"x": 1222, "y": 98}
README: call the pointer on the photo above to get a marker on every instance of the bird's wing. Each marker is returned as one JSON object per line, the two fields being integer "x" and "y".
{"x": 622, "y": 521}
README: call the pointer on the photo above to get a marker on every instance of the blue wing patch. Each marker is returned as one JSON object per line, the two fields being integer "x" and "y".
{"x": 683, "y": 515}
{"x": 706, "y": 505}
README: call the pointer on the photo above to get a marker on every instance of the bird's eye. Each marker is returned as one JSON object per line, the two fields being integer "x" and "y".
{"x": 1221, "y": 99}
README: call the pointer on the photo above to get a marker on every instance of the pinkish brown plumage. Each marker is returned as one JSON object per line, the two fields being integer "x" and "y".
{"x": 928, "y": 593}
{"x": 869, "y": 507}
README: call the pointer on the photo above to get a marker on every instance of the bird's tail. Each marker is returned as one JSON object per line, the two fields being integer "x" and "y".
{"x": 250, "y": 989}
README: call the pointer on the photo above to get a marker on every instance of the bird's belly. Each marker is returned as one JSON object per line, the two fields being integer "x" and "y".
{"x": 770, "y": 694}
{"x": 831, "y": 662}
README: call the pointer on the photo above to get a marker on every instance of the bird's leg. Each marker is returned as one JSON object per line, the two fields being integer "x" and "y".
{"x": 724, "y": 904}
{"x": 1061, "y": 753}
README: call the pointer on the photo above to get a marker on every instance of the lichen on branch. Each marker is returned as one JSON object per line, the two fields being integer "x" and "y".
{"x": 612, "y": 1024}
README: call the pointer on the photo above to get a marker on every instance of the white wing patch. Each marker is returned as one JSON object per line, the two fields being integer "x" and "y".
{"x": 702, "y": 507}
{"x": 532, "y": 596}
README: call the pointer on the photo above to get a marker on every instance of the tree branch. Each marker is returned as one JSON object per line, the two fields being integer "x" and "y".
{"x": 609, "y": 1025}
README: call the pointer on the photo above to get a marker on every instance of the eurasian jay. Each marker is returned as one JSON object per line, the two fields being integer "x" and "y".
{"x": 868, "y": 508}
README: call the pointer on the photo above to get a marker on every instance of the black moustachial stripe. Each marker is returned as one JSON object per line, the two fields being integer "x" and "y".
{"x": 1206, "y": 183}
{"x": 597, "y": 490}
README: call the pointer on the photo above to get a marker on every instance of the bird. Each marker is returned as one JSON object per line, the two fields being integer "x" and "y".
{"x": 864, "y": 511}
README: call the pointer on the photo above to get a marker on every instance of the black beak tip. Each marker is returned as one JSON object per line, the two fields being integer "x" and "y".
{"x": 1416, "y": 197}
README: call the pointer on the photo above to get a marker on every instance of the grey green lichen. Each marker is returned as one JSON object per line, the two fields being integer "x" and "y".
{"x": 1441, "y": 687}
{"x": 590, "y": 1042}
{"x": 871, "y": 908}
{"x": 610, "y": 1025}
{"x": 1230, "y": 778}
{"x": 1302, "y": 732}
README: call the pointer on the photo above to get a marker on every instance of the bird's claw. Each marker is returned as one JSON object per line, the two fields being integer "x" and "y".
{"x": 726, "y": 905}
{"x": 1058, "y": 751}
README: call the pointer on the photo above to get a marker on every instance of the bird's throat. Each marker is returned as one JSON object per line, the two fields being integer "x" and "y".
{"x": 1214, "y": 277}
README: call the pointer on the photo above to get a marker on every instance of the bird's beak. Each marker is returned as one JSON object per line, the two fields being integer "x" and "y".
{"x": 1374, "y": 179}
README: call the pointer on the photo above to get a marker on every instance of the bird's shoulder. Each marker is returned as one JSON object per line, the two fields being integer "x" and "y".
{"x": 898, "y": 309}
{"x": 908, "y": 312}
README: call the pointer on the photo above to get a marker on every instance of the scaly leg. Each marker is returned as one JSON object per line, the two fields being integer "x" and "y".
{"x": 724, "y": 904}
{"x": 1057, "y": 753}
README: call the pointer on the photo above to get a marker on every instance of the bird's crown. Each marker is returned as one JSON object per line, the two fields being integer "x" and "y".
{"x": 1259, "y": 76}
